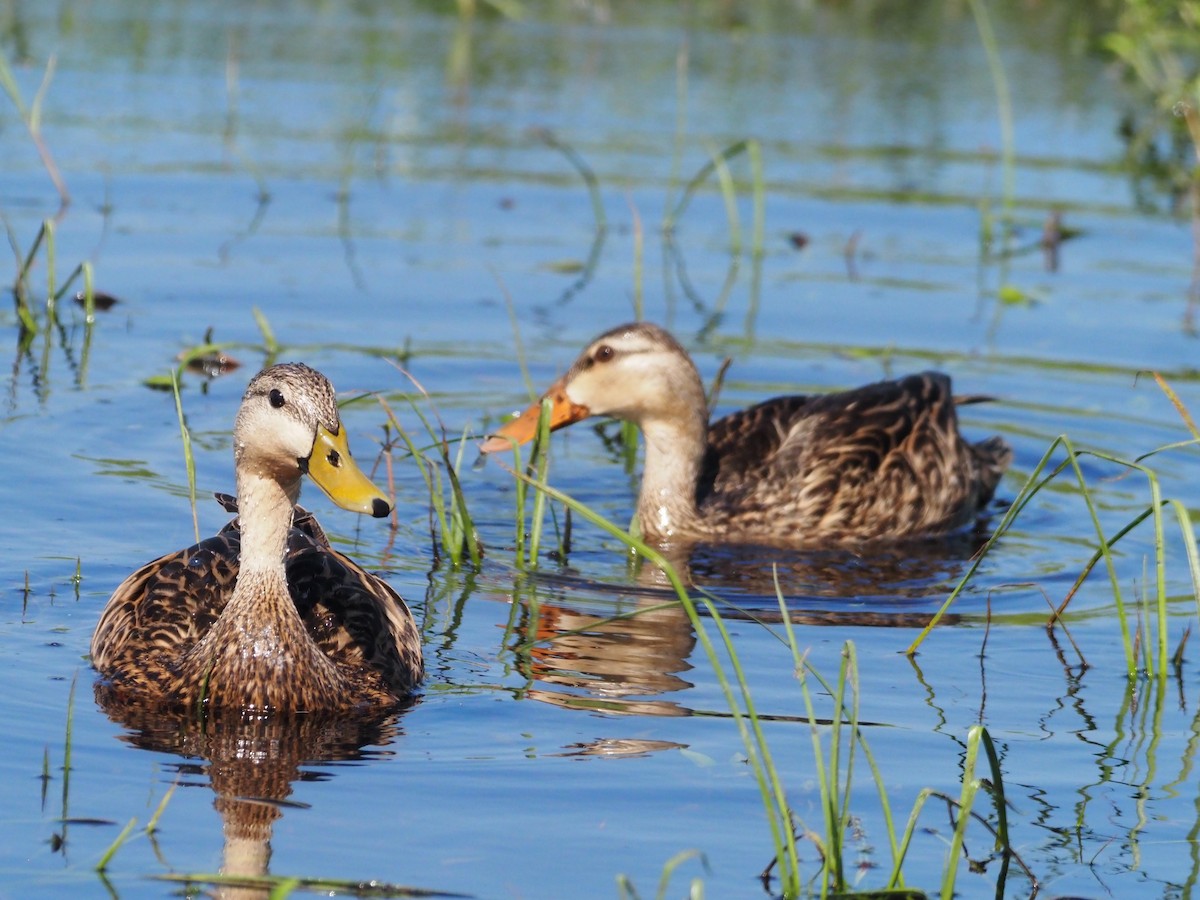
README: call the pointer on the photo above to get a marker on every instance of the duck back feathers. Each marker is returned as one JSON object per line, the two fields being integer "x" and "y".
{"x": 886, "y": 459}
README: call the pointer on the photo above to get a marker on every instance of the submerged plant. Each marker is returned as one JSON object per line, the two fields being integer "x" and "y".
{"x": 45, "y": 317}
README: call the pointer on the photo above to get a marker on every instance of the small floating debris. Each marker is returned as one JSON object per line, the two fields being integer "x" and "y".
{"x": 210, "y": 365}
{"x": 101, "y": 301}
{"x": 563, "y": 266}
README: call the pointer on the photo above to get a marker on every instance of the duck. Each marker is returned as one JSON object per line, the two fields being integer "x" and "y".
{"x": 266, "y": 617}
{"x": 885, "y": 461}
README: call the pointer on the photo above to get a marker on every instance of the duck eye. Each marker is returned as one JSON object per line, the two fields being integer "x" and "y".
{"x": 276, "y": 398}
{"x": 604, "y": 353}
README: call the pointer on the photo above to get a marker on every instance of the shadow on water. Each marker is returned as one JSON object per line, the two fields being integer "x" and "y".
{"x": 252, "y": 763}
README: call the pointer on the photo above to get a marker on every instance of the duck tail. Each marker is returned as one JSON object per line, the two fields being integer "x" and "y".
{"x": 992, "y": 456}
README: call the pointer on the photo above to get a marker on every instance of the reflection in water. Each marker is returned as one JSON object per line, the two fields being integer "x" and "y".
{"x": 600, "y": 663}
{"x": 623, "y": 663}
{"x": 251, "y": 763}
{"x": 891, "y": 576}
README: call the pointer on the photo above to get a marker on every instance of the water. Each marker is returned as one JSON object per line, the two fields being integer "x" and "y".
{"x": 373, "y": 181}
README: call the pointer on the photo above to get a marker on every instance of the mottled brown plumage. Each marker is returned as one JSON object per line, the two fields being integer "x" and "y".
{"x": 885, "y": 461}
{"x": 266, "y": 616}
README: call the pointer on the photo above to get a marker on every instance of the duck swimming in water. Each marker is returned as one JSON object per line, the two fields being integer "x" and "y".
{"x": 266, "y": 616}
{"x": 884, "y": 461}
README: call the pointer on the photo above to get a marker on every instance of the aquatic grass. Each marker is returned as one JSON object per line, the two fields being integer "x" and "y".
{"x": 718, "y": 165}
{"x": 455, "y": 532}
{"x": 1004, "y": 108}
{"x": 599, "y": 216}
{"x": 31, "y": 116}
{"x": 518, "y": 342}
{"x": 189, "y": 459}
{"x": 1143, "y": 652}
{"x": 235, "y": 151}
{"x": 22, "y": 290}
{"x": 977, "y": 737}
{"x": 540, "y": 465}
{"x": 121, "y": 839}
{"x": 833, "y": 775}
{"x": 152, "y": 825}
{"x": 531, "y": 523}
{"x": 60, "y": 840}
{"x": 717, "y": 162}
{"x": 213, "y": 358}
{"x": 739, "y": 701}
{"x": 626, "y": 890}
{"x": 639, "y": 262}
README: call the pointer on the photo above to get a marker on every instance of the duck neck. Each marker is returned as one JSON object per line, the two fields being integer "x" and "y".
{"x": 261, "y": 609}
{"x": 258, "y": 649}
{"x": 264, "y": 518}
{"x": 674, "y": 455}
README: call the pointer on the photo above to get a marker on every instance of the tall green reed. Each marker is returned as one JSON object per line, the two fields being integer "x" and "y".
{"x": 189, "y": 459}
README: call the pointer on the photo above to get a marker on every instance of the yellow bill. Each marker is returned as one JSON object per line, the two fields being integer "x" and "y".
{"x": 334, "y": 470}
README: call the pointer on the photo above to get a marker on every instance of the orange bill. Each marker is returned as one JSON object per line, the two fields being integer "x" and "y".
{"x": 523, "y": 428}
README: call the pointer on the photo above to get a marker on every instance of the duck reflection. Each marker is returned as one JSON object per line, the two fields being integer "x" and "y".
{"x": 626, "y": 661}
{"x": 826, "y": 586}
{"x": 251, "y": 763}
{"x": 616, "y": 663}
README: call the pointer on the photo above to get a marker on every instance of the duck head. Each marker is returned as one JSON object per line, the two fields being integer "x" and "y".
{"x": 288, "y": 426}
{"x": 636, "y": 372}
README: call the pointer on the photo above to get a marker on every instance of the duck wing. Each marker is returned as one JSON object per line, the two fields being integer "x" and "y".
{"x": 163, "y": 608}
{"x": 881, "y": 461}
{"x": 355, "y": 618}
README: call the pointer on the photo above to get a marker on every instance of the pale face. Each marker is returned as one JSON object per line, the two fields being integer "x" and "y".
{"x": 636, "y": 373}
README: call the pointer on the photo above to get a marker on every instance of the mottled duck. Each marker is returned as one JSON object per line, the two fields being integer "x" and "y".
{"x": 884, "y": 461}
{"x": 266, "y": 616}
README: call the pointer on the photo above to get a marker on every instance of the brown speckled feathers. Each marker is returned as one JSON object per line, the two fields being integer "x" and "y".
{"x": 885, "y": 459}
{"x": 169, "y": 604}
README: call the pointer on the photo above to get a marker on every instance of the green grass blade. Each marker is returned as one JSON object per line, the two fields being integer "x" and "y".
{"x": 106, "y": 858}
{"x": 269, "y": 341}
{"x": 729, "y": 196}
{"x": 68, "y": 743}
{"x": 542, "y": 456}
{"x": 189, "y": 460}
{"x": 672, "y": 219}
{"x": 152, "y": 825}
